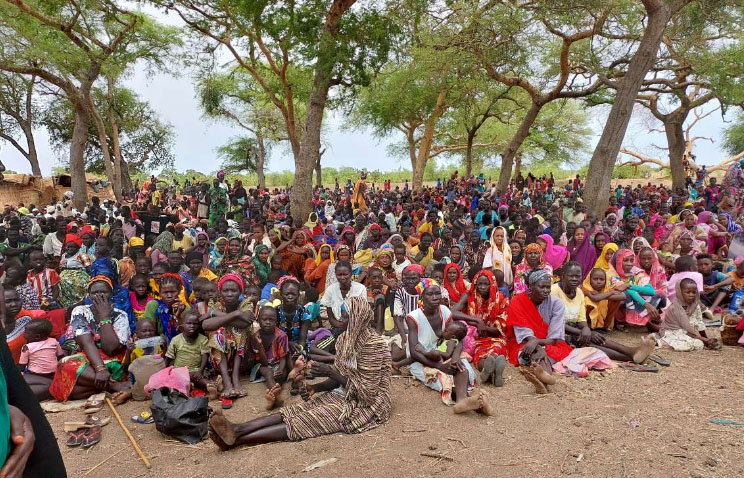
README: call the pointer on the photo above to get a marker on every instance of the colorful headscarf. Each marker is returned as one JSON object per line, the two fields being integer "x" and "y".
{"x": 101, "y": 278}
{"x": 536, "y": 276}
{"x": 619, "y": 258}
{"x": 74, "y": 238}
{"x": 656, "y": 274}
{"x": 554, "y": 255}
{"x": 286, "y": 278}
{"x": 425, "y": 284}
{"x": 602, "y": 263}
{"x": 231, "y": 277}
{"x": 456, "y": 290}
{"x": 262, "y": 268}
{"x": 461, "y": 263}
{"x": 417, "y": 268}
{"x": 330, "y": 252}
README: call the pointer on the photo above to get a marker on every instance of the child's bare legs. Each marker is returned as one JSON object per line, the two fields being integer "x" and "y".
{"x": 239, "y": 391}
{"x": 320, "y": 355}
{"x": 204, "y": 384}
{"x": 228, "y": 390}
{"x": 622, "y": 352}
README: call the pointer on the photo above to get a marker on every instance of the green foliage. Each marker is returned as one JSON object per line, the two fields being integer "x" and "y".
{"x": 733, "y": 136}
{"x": 238, "y": 155}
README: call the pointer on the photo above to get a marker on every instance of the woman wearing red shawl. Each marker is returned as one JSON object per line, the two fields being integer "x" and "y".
{"x": 647, "y": 261}
{"x": 348, "y": 238}
{"x": 488, "y": 305}
{"x": 455, "y": 285}
{"x": 536, "y": 331}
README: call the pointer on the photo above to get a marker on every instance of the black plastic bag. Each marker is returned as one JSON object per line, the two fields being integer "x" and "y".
{"x": 178, "y": 416}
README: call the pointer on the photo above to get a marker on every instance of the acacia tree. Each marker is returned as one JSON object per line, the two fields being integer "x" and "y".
{"x": 69, "y": 44}
{"x": 540, "y": 48}
{"x": 658, "y": 14}
{"x": 340, "y": 44}
{"x": 19, "y": 111}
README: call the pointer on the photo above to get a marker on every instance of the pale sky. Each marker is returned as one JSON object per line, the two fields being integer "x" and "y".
{"x": 197, "y": 138}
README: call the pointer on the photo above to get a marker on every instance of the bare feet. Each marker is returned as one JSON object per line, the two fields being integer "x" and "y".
{"x": 212, "y": 392}
{"x": 272, "y": 396}
{"x": 498, "y": 372}
{"x": 543, "y": 375}
{"x": 489, "y": 366}
{"x": 530, "y": 376}
{"x": 485, "y": 408}
{"x": 218, "y": 383}
{"x": 298, "y": 369}
{"x": 644, "y": 349}
{"x": 471, "y": 403}
{"x": 223, "y": 429}
{"x": 121, "y": 397}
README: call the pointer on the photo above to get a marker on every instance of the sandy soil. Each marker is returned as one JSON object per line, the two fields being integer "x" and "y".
{"x": 614, "y": 424}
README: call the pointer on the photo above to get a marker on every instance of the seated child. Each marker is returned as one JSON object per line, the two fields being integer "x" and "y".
{"x": 716, "y": 285}
{"x": 642, "y": 305}
{"x": 737, "y": 274}
{"x": 44, "y": 280}
{"x": 204, "y": 294}
{"x": 376, "y": 293}
{"x": 498, "y": 274}
{"x": 189, "y": 349}
{"x": 139, "y": 295}
{"x": 601, "y": 300}
{"x": 401, "y": 260}
{"x": 683, "y": 265}
{"x": 683, "y": 328}
{"x": 40, "y": 354}
{"x": 252, "y": 293}
{"x": 166, "y": 310}
{"x": 270, "y": 347}
{"x": 142, "y": 360}
{"x": 449, "y": 346}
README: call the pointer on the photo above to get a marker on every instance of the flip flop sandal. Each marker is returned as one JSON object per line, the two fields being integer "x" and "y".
{"x": 659, "y": 360}
{"x": 93, "y": 406}
{"x": 75, "y": 438}
{"x": 635, "y": 367}
{"x": 226, "y": 403}
{"x": 241, "y": 393}
{"x": 91, "y": 437}
{"x": 143, "y": 418}
{"x": 89, "y": 422}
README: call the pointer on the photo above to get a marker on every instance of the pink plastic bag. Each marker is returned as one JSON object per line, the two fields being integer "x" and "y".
{"x": 175, "y": 378}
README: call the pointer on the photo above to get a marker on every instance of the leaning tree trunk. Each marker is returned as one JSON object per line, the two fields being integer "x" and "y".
{"x": 676, "y": 142}
{"x": 507, "y": 157}
{"x": 599, "y": 176}
{"x": 318, "y": 174}
{"x": 126, "y": 179}
{"x": 103, "y": 139}
{"x": 115, "y": 143}
{"x": 33, "y": 155}
{"x": 261, "y": 162}
{"x": 517, "y": 163}
{"x": 469, "y": 154}
{"x": 77, "y": 150}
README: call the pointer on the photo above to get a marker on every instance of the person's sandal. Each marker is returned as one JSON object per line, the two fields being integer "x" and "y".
{"x": 226, "y": 403}
{"x": 659, "y": 360}
{"x": 143, "y": 418}
{"x": 75, "y": 438}
{"x": 90, "y": 422}
{"x": 91, "y": 437}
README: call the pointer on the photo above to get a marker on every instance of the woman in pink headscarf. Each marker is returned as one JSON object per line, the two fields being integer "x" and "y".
{"x": 552, "y": 254}
{"x": 641, "y": 302}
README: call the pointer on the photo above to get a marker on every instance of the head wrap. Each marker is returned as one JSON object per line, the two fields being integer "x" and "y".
{"x": 262, "y": 268}
{"x": 286, "y": 278}
{"x": 74, "y": 238}
{"x": 456, "y": 289}
{"x": 425, "y": 284}
{"x": 619, "y": 258}
{"x": 536, "y": 276}
{"x": 175, "y": 276}
{"x": 164, "y": 242}
{"x": 501, "y": 258}
{"x": 318, "y": 260}
{"x": 374, "y": 227}
{"x": 136, "y": 242}
{"x": 230, "y": 277}
{"x": 417, "y": 268}
{"x": 101, "y": 278}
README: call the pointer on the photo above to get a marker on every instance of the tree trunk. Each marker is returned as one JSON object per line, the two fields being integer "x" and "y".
{"x": 318, "y": 174}
{"x": 507, "y": 157}
{"x": 675, "y": 135}
{"x": 103, "y": 139}
{"x": 517, "y": 163}
{"x": 603, "y": 160}
{"x": 126, "y": 179}
{"x": 77, "y": 150}
{"x": 469, "y": 154}
{"x": 305, "y": 159}
{"x": 33, "y": 155}
{"x": 260, "y": 162}
{"x": 115, "y": 144}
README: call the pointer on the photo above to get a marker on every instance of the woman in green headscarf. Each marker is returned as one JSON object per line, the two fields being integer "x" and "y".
{"x": 261, "y": 263}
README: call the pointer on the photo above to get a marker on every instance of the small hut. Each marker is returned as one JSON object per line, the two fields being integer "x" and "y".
{"x": 37, "y": 190}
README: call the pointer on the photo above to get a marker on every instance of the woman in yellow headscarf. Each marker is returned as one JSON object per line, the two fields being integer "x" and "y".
{"x": 360, "y": 188}
{"x": 602, "y": 300}
{"x": 315, "y": 273}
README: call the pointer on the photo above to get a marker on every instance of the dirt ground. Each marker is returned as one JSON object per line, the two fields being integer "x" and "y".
{"x": 614, "y": 424}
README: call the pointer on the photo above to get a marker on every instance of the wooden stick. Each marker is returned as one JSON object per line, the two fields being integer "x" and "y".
{"x": 104, "y": 461}
{"x": 128, "y": 434}
{"x": 438, "y": 456}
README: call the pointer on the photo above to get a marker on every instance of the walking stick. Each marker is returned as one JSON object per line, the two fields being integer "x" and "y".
{"x": 128, "y": 434}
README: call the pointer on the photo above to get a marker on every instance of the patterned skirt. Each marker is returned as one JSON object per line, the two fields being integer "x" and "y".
{"x": 318, "y": 416}
{"x": 71, "y": 367}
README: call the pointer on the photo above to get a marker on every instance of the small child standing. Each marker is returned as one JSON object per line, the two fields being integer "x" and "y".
{"x": 44, "y": 280}
{"x": 270, "y": 347}
{"x": 139, "y": 295}
{"x": 189, "y": 349}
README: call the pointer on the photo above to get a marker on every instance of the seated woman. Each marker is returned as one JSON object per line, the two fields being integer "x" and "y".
{"x": 451, "y": 379}
{"x": 536, "y": 331}
{"x": 336, "y": 297}
{"x": 642, "y": 305}
{"x": 499, "y": 255}
{"x": 226, "y": 324}
{"x": 102, "y": 332}
{"x": 533, "y": 260}
{"x": 361, "y": 370}
{"x": 578, "y": 332}
{"x": 554, "y": 255}
{"x": 74, "y": 277}
{"x": 486, "y": 309}
{"x": 683, "y": 328}
{"x": 316, "y": 269}
{"x": 295, "y": 251}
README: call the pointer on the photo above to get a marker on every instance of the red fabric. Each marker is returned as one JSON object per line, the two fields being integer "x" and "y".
{"x": 523, "y": 313}
{"x": 56, "y": 317}
{"x": 455, "y": 290}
